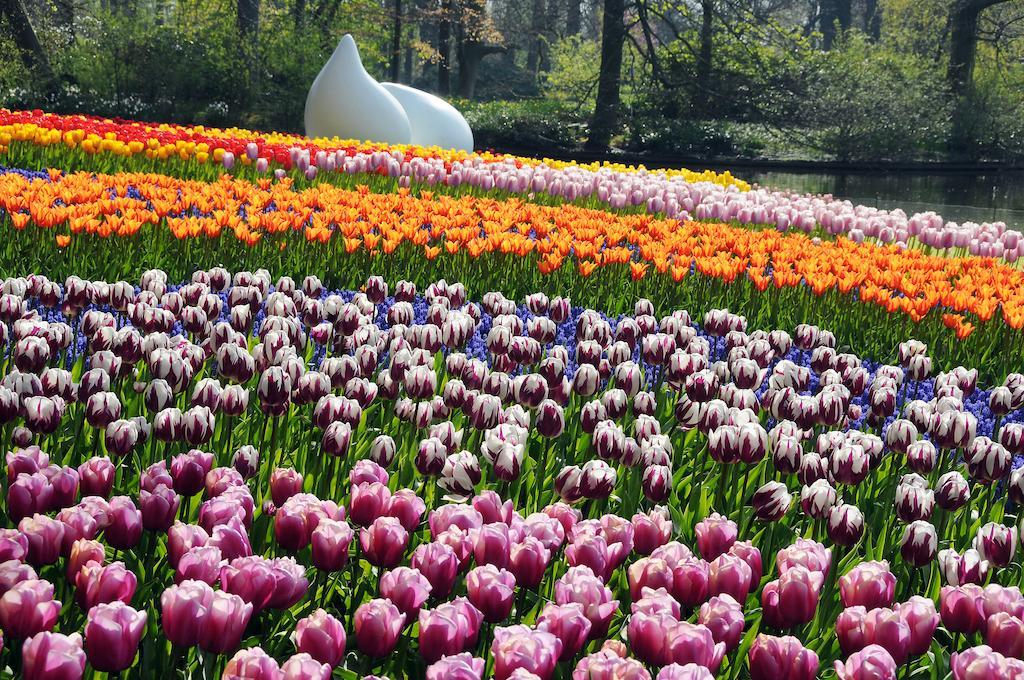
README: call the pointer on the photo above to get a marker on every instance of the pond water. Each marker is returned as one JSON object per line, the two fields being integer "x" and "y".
{"x": 960, "y": 197}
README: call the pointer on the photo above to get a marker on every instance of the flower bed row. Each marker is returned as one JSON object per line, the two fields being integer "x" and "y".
{"x": 405, "y": 483}
{"x": 73, "y": 142}
{"x": 111, "y": 224}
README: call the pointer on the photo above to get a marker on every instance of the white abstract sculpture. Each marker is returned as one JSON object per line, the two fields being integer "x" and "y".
{"x": 345, "y": 101}
{"x": 434, "y": 121}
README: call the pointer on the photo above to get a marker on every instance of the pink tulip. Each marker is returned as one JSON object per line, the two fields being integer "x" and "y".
{"x": 871, "y": 663}
{"x": 648, "y": 636}
{"x": 492, "y": 544}
{"x": 158, "y": 508}
{"x": 715, "y": 535}
{"x": 28, "y": 608}
{"x": 690, "y": 671}
{"x": 492, "y": 591}
{"x": 569, "y": 624}
{"x": 448, "y": 629}
{"x": 984, "y": 663}
{"x": 439, "y": 564}
{"x": 304, "y": 667}
{"x": 13, "y": 545}
{"x": 869, "y": 584}
{"x": 690, "y": 643}
{"x": 809, "y": 554}
{"x": 284, "y": 483}
{"x": 202, "y": 563}
{"x": 189, "y": 471}
{"x": 322, "y": 637}
{"x": 183, "y": 537}
{"x": 183, "y": 609}
{"x": 52, "y": 656}
{"x": 384, "y": 542}
{"x": 1005, "y": 634}
{"x": 723, "y": 616}
{"x": 528, "y": 560}
{"x": 112, "y": 636}
{"x": 407, "y": 508}
{"x": 457, "y": 667}
{"x": 225, "y": 620}
{"x": 922, "y": 619}
{"x": 690, "y": 581}
{"x": 792, "y": 600}
{"x": 962, "y": 608}
{"x": 252, "y": 664}
{"x": 45, "y": 537}
{"x": 377, "y": 625}
{"x": 368, "y": 501}
{"x": 650, "y": 531}
{"x": 97, "y": 476}
{"x": 649, "y": 572}
{"x": 520, "y": 648}
{"x": 125, "y": 528}
{"x": 82, "y": 552}
{"x": 772, "y": 658}
{"x": 580, "y": 585}
{"x": 330, "y": 544}
{"x": 407, "y": 589}
{"x": 728, "y": 574}
{"x": 606, "y": 665}
{"x": 98, "y": 584}
{"x": 997, "y": 598}
{"x": 746, "y": 551}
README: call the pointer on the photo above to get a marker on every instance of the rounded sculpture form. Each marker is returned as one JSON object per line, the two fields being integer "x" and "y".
{"x": 434, "y": 121}
{"x": 344, "y": 101}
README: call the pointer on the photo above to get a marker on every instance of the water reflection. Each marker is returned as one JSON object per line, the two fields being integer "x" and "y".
{"x": 957, "y": 197}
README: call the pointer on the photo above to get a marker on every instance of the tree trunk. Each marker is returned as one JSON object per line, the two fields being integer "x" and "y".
{"x": 606, "y": 109}
{"x": 407, "y": 66}
{"x": 834, "y": 14}
{"x": 573, "y": 17}
{"x": 64, "y": 15}
{"x": 248, "y": 18}
{"x": 537, "y": 20}
{"x": 25, "y": 39}
{"x": 702, "y": 83}
{"x": 248, "y": 31}
{"x": 872, "y": 20}
{"x": 444, "y": 50}
{"x": 963, "y": 48}
{"x": 470, "y": 53}
{"x": 396, "y": 43}
{"x": 299, "y": 15}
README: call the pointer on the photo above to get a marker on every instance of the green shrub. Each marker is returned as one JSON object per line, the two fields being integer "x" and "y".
{"x": 529, "y": 125}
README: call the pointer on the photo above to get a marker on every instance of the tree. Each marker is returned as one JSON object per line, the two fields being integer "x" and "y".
{"x": 573, "y": 17}
{"x": 248, "y": 18}
{"x": 963, "y": 50}
{"x": 963, "y": 43}
{"x": 702, "y": 83}
{"x": 834, "y": 14}
{"x": 24, "y": 35}
{"x": 609, "y": 81}
{"x": 873, "y": 20}
{"x": 444, "y": 49}
{"x": 476, "y": 38}
{"x": 395, "y": 57}
{"x": 538, "y": 39}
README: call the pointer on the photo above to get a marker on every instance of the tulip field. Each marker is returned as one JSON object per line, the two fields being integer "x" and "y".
{"x": 275, "y": 408}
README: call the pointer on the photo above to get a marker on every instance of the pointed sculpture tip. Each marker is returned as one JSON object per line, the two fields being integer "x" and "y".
{"x": 347, "y": 45}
